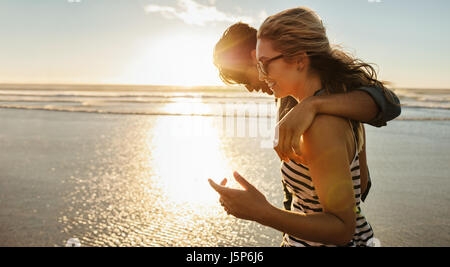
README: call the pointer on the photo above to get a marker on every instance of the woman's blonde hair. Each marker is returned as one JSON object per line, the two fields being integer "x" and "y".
{"x": 296, "y": 31}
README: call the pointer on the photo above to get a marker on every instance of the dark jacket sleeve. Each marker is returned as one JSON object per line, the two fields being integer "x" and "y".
{"x": 387, "y": 102}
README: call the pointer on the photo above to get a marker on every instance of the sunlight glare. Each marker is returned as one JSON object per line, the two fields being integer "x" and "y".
{"x": 188, "y": 106}
{"x": 180, "y": 59}
{"x": 187, "y": 151}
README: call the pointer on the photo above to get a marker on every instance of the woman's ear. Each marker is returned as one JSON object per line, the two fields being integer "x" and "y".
{"x": 300, "y": 65}
{"x": 253, "y": 55}
{"x": 302, "y": 61}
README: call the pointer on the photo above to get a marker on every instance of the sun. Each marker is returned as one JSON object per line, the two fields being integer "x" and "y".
{"x": 177, "y": 59}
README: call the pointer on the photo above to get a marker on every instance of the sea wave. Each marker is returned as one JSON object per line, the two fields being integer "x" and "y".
{"x": 432, "y": 102}
{"x": 417, "y": 104}
{"x": 427, "y": 105}
{"x": 128, "y": 112}
{"x": 153, "y": 113}
{"x": 136, "y": 94}
{"x": 130, "y": 101}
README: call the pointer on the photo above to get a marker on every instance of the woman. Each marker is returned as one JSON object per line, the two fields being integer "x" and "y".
{"x": 295, "y": 59}
{"x": 235, "y": 59}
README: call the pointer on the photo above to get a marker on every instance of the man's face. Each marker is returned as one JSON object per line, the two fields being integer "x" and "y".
{"x": 253, "y": 82}
{"x": 246, "y": 73}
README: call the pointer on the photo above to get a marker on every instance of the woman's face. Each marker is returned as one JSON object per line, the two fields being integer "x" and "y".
{"x": 283, "y": 78}
{"x": 253, "y": 82}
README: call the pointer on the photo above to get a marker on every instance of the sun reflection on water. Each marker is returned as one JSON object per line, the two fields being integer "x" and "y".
{"x": 188, "y": 106}
{"x": 146, "y": 184}
{"x": 186, "y": 151}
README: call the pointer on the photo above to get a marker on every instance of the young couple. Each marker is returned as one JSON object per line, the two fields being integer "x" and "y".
{"x": 323, "y": 95}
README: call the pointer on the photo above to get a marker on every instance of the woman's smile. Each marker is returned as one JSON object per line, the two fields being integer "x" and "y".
{"x": 271, "y": 84}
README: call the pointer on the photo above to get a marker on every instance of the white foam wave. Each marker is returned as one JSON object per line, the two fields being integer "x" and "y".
{"x": 86, "y": 109}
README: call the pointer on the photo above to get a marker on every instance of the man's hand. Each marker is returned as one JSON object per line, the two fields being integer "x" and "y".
{"x": 290, "y": 129}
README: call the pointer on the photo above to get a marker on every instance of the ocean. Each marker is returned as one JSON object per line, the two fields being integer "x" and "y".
{"x": 128, "y": 166}
{"x": 434, "y": 104}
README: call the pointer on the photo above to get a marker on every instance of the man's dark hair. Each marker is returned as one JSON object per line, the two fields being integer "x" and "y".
{"x": 235, "y": 48}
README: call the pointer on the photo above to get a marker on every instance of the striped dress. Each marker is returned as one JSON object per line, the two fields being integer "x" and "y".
{"x": 301, "y": 197}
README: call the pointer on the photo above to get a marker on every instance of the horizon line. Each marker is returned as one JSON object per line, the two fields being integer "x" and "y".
{"x": 178, "y": 86}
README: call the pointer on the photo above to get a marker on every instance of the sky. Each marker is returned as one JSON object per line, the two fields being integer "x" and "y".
{"x": 170, "y": 42}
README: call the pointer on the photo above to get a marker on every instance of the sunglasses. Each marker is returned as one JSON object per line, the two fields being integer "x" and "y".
{"x": 263, "y": 67}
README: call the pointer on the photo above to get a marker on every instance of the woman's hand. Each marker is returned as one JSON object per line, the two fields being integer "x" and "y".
{"x": 291, "y": 128}
{"x": 247, "y": 204}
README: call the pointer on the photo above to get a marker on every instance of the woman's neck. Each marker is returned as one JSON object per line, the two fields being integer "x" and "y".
{"x": 311, "y": 85}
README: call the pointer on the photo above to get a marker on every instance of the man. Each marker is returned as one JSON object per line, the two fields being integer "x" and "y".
{"x": 235, "y": 58}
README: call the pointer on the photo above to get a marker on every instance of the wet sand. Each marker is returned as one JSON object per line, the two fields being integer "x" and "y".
{"x": 124, "y": 180}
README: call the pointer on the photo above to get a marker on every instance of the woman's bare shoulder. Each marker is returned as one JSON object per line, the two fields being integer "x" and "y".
{"x": 324, "y": 124}
{"x": 326, "y": 132}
